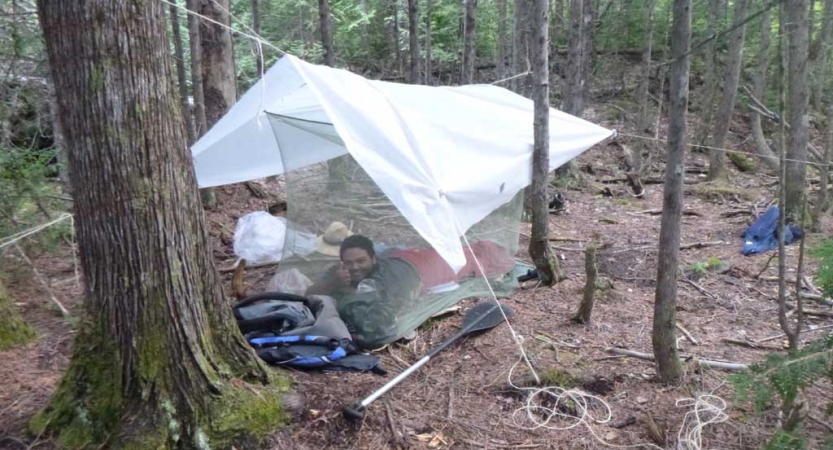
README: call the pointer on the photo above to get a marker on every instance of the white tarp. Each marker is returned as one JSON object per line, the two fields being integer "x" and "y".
{"x": 445, "y": 156}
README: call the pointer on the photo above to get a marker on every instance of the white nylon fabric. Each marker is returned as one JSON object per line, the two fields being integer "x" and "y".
{"x": 446, "y": 157}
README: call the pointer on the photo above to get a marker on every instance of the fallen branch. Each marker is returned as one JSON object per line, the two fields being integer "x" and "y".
{"x": 254, "y": 266}
{"x": 687, "y": 334}
{"x": 42, "y": 281}
{"x": 658, "y": 211}
{"x": 817, "y": 298}
{"x": 700, "y": 362}
{"x": 780, "y": 335}
{"x": 698, "y": 287}
{"x": 818, "y": 313}
{"x": 752, "y": 345}
{"x": 692, "y": 245}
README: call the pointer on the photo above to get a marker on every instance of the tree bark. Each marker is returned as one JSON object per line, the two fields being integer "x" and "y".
{"x": 502, "y": 39}
{"x": 158, "y": 361}
{"x": 585, "y": 309}
{"x": 643, "y": 91}
{"x": 469, "y": 42}
{"x": 413, "y": 30}
{"x": 717, "y": 158}
{"x": 711, "y": 82}
{"x": 217, "y": 59}
{"x": 664, "y": 335}
{"x": 822, "y": 201}
{"x": 256, "y": 47}
{"x": 14, "y": 331}
{"x": 759, "y": 89}
{"x": 394, "y": 5}
{"x": 182, "y": 83}
{"x": 796, "y": 30}
{"x": 573, "y": 92}
{"x": 520, "y": 46}
{"x": 325, "y": 26}
{"x": 219, "y": 83}
{"x": 539, "y": 249}
{"x": 820, "y": 55}
{"x": 429, "y": 8}
{"x": 200, "y": 121}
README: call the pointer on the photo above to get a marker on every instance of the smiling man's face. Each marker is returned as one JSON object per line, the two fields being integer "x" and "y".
{"x": 358, "y": 263}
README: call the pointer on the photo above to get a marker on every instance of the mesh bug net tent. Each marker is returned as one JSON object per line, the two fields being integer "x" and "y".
{"x": 433, "y": 176}
{"x": 411, "y": 282}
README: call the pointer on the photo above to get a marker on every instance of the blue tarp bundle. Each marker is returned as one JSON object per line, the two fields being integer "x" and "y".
{"x": 762, "y": 235}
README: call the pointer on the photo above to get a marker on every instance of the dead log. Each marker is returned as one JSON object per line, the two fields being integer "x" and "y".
{"x": 586, "y": 307}
{"x": 700, "y": 362}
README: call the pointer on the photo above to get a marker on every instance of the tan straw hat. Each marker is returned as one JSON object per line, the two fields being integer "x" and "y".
{"x": 329, "y": 243}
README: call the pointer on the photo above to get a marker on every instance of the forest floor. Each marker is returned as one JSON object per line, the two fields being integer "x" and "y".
{"x": 462, "y": 399}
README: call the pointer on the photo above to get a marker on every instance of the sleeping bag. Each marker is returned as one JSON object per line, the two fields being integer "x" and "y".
{"x": 762, "y": 235}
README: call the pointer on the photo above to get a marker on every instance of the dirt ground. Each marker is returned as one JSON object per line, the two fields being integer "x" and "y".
{"x": 462, "y": 399}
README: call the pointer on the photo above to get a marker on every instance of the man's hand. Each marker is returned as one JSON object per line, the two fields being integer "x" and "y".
{"x": 342, "y": 276}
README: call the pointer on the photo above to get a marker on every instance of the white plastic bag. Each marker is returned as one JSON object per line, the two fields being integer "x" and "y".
{"x": 259, "y": 237}
{"x": 290, "y": 281}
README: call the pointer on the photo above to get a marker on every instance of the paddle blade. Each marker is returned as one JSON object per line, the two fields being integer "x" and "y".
{"x": 487, "y": 315}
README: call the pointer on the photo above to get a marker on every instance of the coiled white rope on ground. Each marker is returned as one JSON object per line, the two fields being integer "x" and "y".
{"x": 707, "y": 409}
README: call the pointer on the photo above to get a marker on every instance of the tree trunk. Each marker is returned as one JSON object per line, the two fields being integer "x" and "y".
{"x": 14, "y": 331}
{"x": 58, "y": 138}
{"x": 502, "y": 39}
{"x": 585, "y": 309}
{"x": 643, "y": 91}
{"x": 759, "y": 89}
{"x": 429, "y": 8}
{"x": 394, "y": 4}
{"x": 539, "y": 247}
{"x": 711, "y": 82}
{"x": 326, "y": 32}
{"x": 200, "y": 122}
{"x": 469, "y": 42}
{"x": 158, "y": 362}
{"x": 573, "y": 92}
{"x": 589, "y": 40}
{"x": 413, "y": 30}
{"x": 365, "y": 30}
{"x": 257, "y": 47}
{"x": 520, "y": 46}
{"x": 219, "y": 83}
{"x": 796, "y": 30}
{"x": 182, "y": 83}
{"x": 821, "y": 202}
{"x": 717, "y": 159}
{"x": 664, "y": 335}
{"x": 820, "y": 54}
{"x": 217, "y": 59}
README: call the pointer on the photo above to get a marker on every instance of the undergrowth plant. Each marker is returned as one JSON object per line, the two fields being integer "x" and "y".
{"x": 786, "y": 377}
{"x": 824, "y": 253}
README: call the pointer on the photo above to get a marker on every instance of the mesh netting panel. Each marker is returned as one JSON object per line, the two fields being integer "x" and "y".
{"x": 333, "y": 199}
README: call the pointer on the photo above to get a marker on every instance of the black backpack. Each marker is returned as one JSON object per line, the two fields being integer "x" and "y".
{"x": 300, "y": 332}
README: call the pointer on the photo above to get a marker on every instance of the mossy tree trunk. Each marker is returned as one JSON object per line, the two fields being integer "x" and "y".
{"x": 539, "y": 245}
{"x": 13, "y": 330}
{"x": 664, "y": 337}
{"x": 158, "y": 361}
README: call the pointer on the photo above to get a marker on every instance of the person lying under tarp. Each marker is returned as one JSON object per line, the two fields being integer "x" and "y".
{"x": 372, "y": 290}
{"x": 762, "y": 235}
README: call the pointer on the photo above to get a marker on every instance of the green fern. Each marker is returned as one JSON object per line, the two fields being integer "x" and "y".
{"x": 786, "y": 441}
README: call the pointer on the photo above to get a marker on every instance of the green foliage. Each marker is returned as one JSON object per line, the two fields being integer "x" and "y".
{"x": 824, "y": 253}
{"x": 783, "y": 440}
{"x": 785, "y": 376}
